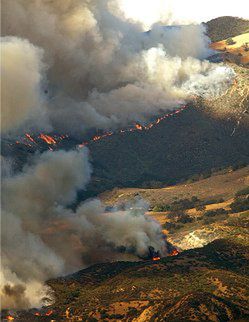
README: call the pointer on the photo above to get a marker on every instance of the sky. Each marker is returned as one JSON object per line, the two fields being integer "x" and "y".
{"x": 182, "y": 11}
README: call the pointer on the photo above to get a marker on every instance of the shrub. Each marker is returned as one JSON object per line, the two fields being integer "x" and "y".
{"x": 161, "y": 208}
{"x": 183, "y": 204}
{"x": 184, "y": 218}
{"x": 211, "y": 201}
{"x": 169, "y": 225}
{"x": 240, "y": 204}
{"x": 172, "y": 226}
{"x": 200, "y": 207}
{"x": 216, "y": 212}
{"x": 239, "y": 166}
{"x": 92, "y": 319}
{"x": 209, "y": 220}
{"x": 245, "y": 46}
{"x": 206, "y": 175}
{"x": 242, "y": 192}
{"x": 230, "y": 41}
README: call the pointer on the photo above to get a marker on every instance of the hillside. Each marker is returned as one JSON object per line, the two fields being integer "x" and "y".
{"x": 204, "y": 137}
{"x": 214, "y": 280}
{"x": 191, "y": 166}
{"x": 223, "y": 184}
{"x": 234, "y": 49}
{"x": 224, "y": 27}
{"x": 206, "y": 281}
{"x": 195, "y": 214}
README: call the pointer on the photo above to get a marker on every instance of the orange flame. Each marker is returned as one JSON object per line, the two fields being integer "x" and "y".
{"x": 156, "y": 258}
{"x": 37, "y": 313}
{"x": 48, "y": 313}
{"x": 30, "y": 138}
{"x": 137, "y": 127}
{"x": 48, "y": 139}
{"x": 174, "y": 252}
{"x": 10, "y": 318}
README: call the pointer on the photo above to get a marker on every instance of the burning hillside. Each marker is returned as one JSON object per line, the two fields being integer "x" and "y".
{"x": 69, "y": 70}
{"x": 53, "y": 141}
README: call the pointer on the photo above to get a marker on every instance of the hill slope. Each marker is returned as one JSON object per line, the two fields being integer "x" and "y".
{"x": 224, "y": 27}
{"x": 223, "y": 184}
{"x": 200, "y": 284}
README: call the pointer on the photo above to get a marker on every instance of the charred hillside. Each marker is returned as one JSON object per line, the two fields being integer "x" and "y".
{"x": 187, "y": 144}
{"x": 206, "y": 136}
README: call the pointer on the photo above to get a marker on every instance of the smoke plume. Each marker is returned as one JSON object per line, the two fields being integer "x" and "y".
{"x": 104, "y": 71}
{"x": 69, "y": 66}
{"x": 44, "y": 237}
{"x": 22, "y": 70}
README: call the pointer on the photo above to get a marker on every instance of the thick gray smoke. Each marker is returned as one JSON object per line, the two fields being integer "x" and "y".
{"x": 44, "y": 238}
{"x": 102, "y": 70}
{"x": 69, "y": 66}
{"x": 22, "y": 71}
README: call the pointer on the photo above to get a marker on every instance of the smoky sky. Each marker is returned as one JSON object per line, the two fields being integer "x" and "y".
{"x": 81, "y": 65}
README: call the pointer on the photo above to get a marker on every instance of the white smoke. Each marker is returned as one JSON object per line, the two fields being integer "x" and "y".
{"x": 104, "y": 71}
{"x": 21, "y": 70}
{"x": 44, "y": 238}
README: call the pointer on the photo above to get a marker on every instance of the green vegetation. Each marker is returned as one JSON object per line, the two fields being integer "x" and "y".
{"x": 230, "y": 41}
{"x": 246, "y": 46}
{"x": 240, "y": 204}
{"x": 184, "y": 204}
{"x": 216, "y": 212}
{"x": 226, "y": 27}
{"x": 242, "y": 192}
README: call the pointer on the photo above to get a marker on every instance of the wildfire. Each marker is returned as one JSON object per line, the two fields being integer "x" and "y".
{"x": 136, "y": 127}
{"x": 48, "y": 313}
{"x": 28, "y": 136}
{"x": 48, "y": 139}
{"x": 156, "y": 258}
{"x": 174, "y": 252}
{"x": 31, "y": 140}
{"x": 10, "y": 318}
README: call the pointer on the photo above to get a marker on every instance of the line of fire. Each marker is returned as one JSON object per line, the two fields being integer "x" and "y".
{"x": 52, "y": 141}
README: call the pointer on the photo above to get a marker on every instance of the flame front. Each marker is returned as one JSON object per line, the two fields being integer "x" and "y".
{"x": 48, "y": 313}
{"x": 156, "y": 258}
{"x": 136, "y": 127}
{"x": 48, "y": 139}
{"x": 28, "y": 136}
{"x": 55, "y": 139}
{"x": 10, "y": 318}
{"x": 174, "y": 252}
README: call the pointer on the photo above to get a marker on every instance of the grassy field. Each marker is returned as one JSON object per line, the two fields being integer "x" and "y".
{"x": 220, "y": 185}
{"x": 236, "y": 52}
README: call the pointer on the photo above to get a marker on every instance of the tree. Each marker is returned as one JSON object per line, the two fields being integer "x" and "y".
{"x": 230, "y": 41}
{"x": 246, "y": 46}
